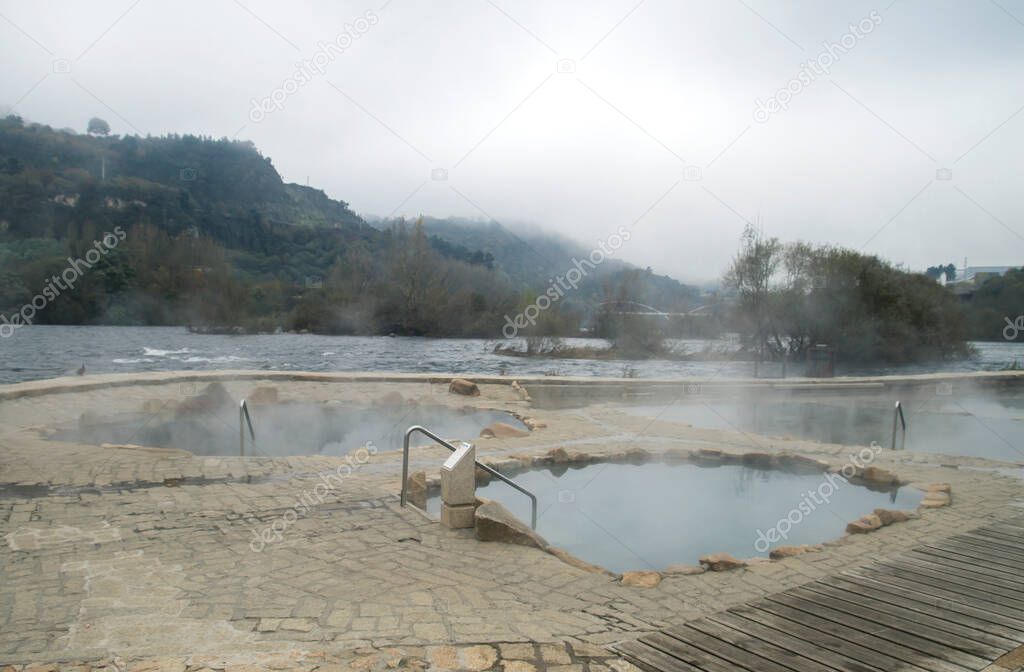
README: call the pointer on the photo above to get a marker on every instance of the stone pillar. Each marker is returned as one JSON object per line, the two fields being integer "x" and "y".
{"x": 458, "y": 488}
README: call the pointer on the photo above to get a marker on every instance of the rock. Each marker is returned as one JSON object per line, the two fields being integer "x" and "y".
{"x": 640, "y": 579}
{"x": 496, "y": 523}
{"x": 721, "y": 562}
{"x": 936, "y": 500}
{"x": 938, "y": 487}
{"x": 683, "y": 570}
{"x": 570, "y": 559}
{"x": 416, "y": 489}
{"x": 558, "y": 455}
{"x": 213, "y": 398}
{"x": 502, "y": 430}
{"x": 764, "y": 460}
{"x": 637, "y": 455}
{"x": 520, "y": 391}
{"x": 890, "y": 516}
{"x": 262, "y": 395}
{"x": 864, "y": 524}
{"x": 879, "y": 475}
{"x": 464, "y": 387}
{"x": 792, "y": 551}
{"x": 802, "y": 464}
{"x": 533, "y": 424}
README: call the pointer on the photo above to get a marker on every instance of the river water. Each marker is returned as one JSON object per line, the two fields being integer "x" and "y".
{"x": 38, "y": 352}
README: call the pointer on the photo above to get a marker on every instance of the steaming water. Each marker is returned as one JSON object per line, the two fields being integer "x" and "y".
{"x": 287, "y": 429}
{"x": 649, "y": 516}
{"x": 977, "y": 426}
{"x": 45, "y": 352}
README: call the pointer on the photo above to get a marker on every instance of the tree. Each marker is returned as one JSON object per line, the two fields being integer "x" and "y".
{"x": 868, "y": 309}
{"x": 98, "y": 126}
{"x": 935, "y": 272}
{"x": 751, "y": 276}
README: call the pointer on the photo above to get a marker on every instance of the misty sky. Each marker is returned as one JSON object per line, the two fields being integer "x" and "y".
{"x": 654, "y": 130}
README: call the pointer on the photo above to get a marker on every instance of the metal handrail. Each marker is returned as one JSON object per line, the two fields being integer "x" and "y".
{"x": 243, "y": 419}
{"x": 897, "y": 415}
{"x": 426, "y": 432}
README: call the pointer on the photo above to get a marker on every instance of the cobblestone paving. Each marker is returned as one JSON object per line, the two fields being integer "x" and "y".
{"x": 146, "y": 559}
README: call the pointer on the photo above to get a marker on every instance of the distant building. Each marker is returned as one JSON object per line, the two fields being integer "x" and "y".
{"x": 970, "y": 278}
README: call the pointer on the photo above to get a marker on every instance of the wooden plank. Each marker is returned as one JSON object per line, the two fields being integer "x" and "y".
{"x": 985, "y": 543}
{"x": 1010, "y": 530}
{"x": 841, "y": 630}
{"x": 904, "y": 624}
{"x": 981, "y": 537}
{"x": 653, "y": 660}
{"x": 1017, "y": 523}
{"x": 937, "y": 590}
{"x": 939, "y": 581}
{"x": 794, "y": 627}
{"x": 979, "y": 564}
{"x": 1009, "y": 626}
{"x": 979, "y": 555}
{"x": 724, "y": 650}
{"x": 1008, "y": 587}
{"x": 939, "y": 572}
{"x": 812, "y": 650}
{"x": 758, "y": 647}
{"x": 930, "y": 617}
{"x": 898, "y": 635}
{"x": 688, "y": 654}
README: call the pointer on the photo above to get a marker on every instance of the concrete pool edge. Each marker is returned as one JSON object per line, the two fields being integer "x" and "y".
{"x": 110, "y": 380}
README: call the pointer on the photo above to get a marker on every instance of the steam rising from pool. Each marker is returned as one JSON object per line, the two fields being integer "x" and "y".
{"x": 286, "y": 429}
{"x": 649, "y": 516}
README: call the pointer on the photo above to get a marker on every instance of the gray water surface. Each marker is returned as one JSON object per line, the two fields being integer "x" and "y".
{"x": 635, "y": 517}
{"x": 37, "y": 352}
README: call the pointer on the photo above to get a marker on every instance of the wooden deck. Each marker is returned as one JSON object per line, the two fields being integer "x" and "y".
{"x": 956, "y": 605}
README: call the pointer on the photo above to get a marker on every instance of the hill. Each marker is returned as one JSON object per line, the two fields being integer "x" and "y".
{"x": 214, "y": 237}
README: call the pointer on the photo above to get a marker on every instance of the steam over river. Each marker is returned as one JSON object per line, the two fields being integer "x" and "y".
{"x": 37, "y": 352}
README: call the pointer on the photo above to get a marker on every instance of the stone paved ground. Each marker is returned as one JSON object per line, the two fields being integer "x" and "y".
{"x": 144, "y": 559}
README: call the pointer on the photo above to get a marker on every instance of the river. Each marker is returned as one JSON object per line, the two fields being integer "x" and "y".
{"x": 37, "y": 352}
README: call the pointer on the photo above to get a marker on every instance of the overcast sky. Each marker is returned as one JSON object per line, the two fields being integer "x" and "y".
{"x": 650, "y": 123}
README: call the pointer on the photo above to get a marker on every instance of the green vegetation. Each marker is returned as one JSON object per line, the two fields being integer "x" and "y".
{"x": 997, "y": 300}
{"x": 791, "y": 297}
{"x": 217, "y": 240}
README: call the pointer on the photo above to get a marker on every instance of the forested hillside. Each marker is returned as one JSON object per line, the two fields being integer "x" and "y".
{"x": 216, "y": 239}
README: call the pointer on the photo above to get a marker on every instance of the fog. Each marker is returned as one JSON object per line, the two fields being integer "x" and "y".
{"x": 651, "y": 127}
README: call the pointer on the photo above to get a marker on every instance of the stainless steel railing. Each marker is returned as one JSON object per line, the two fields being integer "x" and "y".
{"x": 243, "y": 419}
{"x": 426, "y": 432}
{"x": 899, "y": 422}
